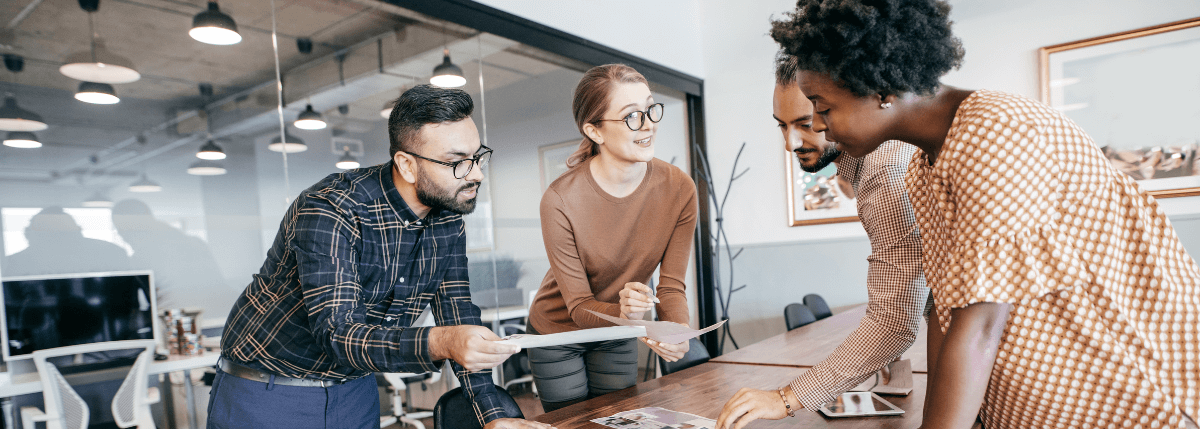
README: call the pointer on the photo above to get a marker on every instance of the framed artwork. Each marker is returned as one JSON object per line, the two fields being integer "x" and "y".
{"x": 552, "y": 160}
{"x": 817, "y": 198}
{"x": 481, "y": 234}
{"x": 1135, "y": 94}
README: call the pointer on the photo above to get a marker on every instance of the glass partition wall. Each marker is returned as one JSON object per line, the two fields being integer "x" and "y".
{"x": 172, "y": 135}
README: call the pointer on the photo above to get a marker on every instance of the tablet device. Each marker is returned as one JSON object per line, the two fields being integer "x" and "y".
{"x": 859, "y": 404}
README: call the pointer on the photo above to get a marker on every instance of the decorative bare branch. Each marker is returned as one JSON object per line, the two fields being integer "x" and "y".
{"x": 721, "y": 239}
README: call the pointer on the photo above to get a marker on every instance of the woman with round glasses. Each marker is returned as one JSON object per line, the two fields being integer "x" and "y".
{"x": 610, "y": 220}
{"x": 1063, "y": 297}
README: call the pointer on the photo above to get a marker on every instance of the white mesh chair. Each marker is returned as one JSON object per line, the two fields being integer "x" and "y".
{"x": 131, "y": 406}
{"x": 402, "y": 399}
{"x": 64, "y": 409}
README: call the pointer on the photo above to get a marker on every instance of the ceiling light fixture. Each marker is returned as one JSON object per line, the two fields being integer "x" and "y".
{"x": 144, "y": 185}
{"x": 98, "y": 64}
{"x": 22, "y": 140}
{"x": 97, "y": 93}
{"x": 386, "y": 113}
{"x": 98, "y": 200}
{"x": 309, "y": 119}
{"x": 206, "y": 168}
{"x": 446, "y": 74}
{"x": 347, "y": 161}
{"x": 14, "y": 118}
{"x": 214, "y": 27}
{"x": 291, "y": 145}
{"x": 211, "y": 151}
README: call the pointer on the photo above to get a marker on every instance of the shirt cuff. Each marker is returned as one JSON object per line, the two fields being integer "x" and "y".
{"x": 417, "y": 359}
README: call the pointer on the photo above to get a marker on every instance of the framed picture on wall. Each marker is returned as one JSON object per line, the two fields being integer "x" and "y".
{"x": 479, "y": 223}
{"x": 1135, "y": 93}
{"x": 817, "y": 198}
{"x": 552, "y": 160}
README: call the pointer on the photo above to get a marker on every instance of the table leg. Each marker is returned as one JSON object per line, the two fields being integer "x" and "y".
{"x": 10, "y": 416}
{"x": 191, "y": 399}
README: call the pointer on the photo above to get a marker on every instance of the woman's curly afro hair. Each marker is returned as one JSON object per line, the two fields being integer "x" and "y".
{"x": 883, "y": 47}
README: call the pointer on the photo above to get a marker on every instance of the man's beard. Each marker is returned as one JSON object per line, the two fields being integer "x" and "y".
{"x": 435, "y": 197}
{"x": 831, "y": 153}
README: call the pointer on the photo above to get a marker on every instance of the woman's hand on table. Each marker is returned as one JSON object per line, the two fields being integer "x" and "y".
{"x": 748, "y": 405}
{"x": 636, "y": 300}
{"x": 669, "y": 352}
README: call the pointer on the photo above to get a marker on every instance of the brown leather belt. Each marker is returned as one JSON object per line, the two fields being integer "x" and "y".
{"x": 252, "y": 374}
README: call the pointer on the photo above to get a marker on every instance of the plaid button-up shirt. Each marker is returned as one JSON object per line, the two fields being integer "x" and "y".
{"x": 351, "y": 269}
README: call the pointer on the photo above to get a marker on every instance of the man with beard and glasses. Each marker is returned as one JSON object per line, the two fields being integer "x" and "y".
{"x": 896, "y": 292}
{"x": 357, "y": 259}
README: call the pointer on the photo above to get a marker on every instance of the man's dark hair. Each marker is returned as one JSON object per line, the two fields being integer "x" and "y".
{"x": 869, "y": 47}
{"x": 787, "y": 69}
{"x": 422, "y": 105}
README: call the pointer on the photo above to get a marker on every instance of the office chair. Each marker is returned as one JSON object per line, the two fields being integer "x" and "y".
{"x": 516, "y": 369}
{"x": 454, "y": 411}
{"x": 817, "y": 305}
{"x": 131, "y": 405}
{"x": 397, "y": 387}
{"x": 797, "y": 315}
{"x": 695, "y": 355}
{"x": 65, "y": 409}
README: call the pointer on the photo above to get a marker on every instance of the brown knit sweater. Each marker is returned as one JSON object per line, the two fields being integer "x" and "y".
{"x": 596, "y": 243}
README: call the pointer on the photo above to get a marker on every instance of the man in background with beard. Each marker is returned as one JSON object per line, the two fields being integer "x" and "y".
{"x": 357, "y": 258}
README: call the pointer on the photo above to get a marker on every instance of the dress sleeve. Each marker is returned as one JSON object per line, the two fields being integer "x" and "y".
{"x": 671, "y": 287}
{"x": 1004, "y": 209}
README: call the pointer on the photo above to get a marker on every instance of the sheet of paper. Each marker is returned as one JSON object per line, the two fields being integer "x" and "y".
{"x": 655, "y": 418}
{"x": 527, "y": 341}
{"x": 664, "y": 332}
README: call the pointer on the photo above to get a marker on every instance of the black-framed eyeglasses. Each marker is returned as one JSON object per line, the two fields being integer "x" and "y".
{"x": 463, "y": 167}
{"x": 635, "y": 119}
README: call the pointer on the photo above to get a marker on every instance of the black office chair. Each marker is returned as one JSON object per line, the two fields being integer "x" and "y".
{"x": 797, "y": 315}
{"x": 695, "y": 355}
{"x": 453, "y": 411}
{"x": 817, "y": 305}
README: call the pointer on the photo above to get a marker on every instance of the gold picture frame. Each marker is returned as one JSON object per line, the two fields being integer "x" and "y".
{"x": 802, "y": 214}
{"x": 1133, "y": 93}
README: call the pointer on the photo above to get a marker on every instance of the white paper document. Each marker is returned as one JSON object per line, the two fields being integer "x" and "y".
{"x": 527, "y": 341}
{"x": 663, "y": 332}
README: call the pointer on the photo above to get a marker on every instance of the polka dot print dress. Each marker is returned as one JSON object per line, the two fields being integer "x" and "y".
{"x": 1021, "y": 207}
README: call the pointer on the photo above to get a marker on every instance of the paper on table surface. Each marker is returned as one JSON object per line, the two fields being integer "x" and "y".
{"x": 527, "y": 341}
{"x": 663, "y": 332}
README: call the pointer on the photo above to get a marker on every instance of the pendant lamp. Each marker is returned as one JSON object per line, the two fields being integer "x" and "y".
{"x": 211, "y": 151}
{"x": 97, "y": 93}
{"x": 446, "y": 74}
{"x": 347, "y": 161}
{"x": 144, "y": 185}
{"x": 214, "y": 27}
{"x": 310, "y": 119}
{"x": 98, "y": 200}
{"x": 98, "y": 64}
{"x": 289, "y": 144}
{"x": 14, "y": 118}
{"x": 206, "y": 168}
{"x": 22, "y": 140}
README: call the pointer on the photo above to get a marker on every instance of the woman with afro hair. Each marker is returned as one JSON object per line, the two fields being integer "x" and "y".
{"x": 1062, "y": 293}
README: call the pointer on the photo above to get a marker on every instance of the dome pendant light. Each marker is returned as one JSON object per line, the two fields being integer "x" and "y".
{"x": 144, "y": 185}
{"x": 211, "y": 151}
{"x": 347, "y": 161}
{"x": 98, "y": 200}
{"x": 22, "y": 140}
{"x": 446, "y": 74}
{"x": 289, "y": 144}
{"x": 309, "y": 119}
{"x": 97, "y": 93}
{"x": 98, "y": 64}
{"x": 205, "y": 168}
{"x": 14, "y": 118}
{"x": 214, "y": 27}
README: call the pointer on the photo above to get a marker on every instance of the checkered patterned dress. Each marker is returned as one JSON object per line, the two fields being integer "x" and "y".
{"x": 1021, "y": 207}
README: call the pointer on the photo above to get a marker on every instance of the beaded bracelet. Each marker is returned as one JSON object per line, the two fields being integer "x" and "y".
{"x": 783, "y": 396}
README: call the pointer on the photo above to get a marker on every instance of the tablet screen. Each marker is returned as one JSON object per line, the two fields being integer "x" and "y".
{"x": 851, "y": 404}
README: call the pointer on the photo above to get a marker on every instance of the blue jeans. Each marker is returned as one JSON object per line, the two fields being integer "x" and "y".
{"x": 240, "y": 403}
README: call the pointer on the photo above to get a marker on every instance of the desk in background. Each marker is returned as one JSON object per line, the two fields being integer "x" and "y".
{"x": 702, "y": 390}
{"x": 808, "y": 345}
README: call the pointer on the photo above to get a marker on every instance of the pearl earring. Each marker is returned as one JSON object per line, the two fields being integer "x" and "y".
{"x": 885, "y": 105}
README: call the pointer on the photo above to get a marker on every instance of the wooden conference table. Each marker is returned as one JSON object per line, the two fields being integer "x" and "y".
{"x": 702, "y": 390}
{"x": 808, "y": 345}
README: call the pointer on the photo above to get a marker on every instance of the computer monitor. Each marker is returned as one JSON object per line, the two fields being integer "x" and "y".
{"x": 44, "y": 312}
